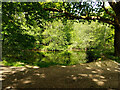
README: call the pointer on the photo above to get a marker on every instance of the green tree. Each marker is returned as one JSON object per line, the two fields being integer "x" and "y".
{"x": 90, "y": 11}
{"x": 56, "y": 35}
{"x": 94, "y": 35}
{"x": 93, "y": 11}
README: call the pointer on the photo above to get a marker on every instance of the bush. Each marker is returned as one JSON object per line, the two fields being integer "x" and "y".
{"x": 93, "y": 55}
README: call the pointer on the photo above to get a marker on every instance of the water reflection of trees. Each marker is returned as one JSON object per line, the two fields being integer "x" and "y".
{"x": 44, "y": 59}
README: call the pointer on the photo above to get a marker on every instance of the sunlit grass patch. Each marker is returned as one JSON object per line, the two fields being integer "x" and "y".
{"x": 10, "y": 63}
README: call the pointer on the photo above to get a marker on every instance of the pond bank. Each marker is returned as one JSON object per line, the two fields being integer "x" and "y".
{"x": 102, "y": 74}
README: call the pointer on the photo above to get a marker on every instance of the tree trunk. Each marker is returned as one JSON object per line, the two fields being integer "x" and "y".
{"x": 116, "y": 9}
{"x": 117, "y": 41}
{"x": 117, "y": 35}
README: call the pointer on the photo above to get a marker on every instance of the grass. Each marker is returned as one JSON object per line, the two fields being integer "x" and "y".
{"x": 110, "y": 55}
{"x": 10, "y": 63}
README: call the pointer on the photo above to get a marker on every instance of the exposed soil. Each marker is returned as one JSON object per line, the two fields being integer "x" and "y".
{"x": 102, "y": 74}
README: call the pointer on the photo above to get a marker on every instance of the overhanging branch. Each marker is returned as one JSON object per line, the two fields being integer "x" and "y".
{"x": 71, "y": 16}
{"x": 112, "y": 4}
{"x": 106, "y": 10}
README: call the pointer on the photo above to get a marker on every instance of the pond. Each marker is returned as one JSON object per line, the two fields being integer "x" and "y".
{"x": 45, "y": 59}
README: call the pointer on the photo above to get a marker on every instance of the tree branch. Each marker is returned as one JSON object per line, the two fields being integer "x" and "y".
{"x": 71, "y": 16}
{"x": 106, "y": 10}
{"x": 112, "y": 4}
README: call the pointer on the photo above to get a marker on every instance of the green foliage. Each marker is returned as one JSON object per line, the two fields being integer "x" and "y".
{"x": 11, "y": 63}
{"x": 56, "y": 36}
{"x": 79, "y": 36}
{"x": 93, "y": 55}
{"x": 94, "y": 35}
{"x": 110, "y": 55}
{"x": 28, "y": 26}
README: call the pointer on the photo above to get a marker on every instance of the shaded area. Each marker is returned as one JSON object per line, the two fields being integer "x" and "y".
{"x": 102, "y": 74}
{"x": 93, "y": 55}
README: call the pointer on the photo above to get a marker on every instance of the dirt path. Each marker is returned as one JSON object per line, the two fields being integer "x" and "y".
{"x": 102, "y": 74}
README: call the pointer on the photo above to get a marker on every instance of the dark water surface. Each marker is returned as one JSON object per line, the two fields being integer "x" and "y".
{"x": 45, "y": 59}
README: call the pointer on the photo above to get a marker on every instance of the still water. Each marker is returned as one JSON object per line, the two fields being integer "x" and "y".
{"x": 45, "y": 59}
